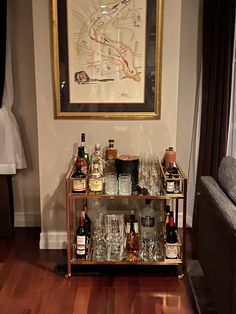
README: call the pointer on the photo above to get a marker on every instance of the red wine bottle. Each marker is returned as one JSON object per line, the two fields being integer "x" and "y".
{"x": 81, "y": 240}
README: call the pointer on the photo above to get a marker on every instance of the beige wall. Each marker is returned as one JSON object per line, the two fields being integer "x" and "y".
{"x": 58, "y": 138}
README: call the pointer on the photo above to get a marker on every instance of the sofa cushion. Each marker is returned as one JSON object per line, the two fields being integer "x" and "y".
{"x": 227, "y": 177}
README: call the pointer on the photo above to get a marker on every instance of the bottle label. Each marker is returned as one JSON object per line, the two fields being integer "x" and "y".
{"x": 79, "y": 185}
{"x": 148, "y": 221}
{"x": 171, "y": 250}
{"x": 95, "y": 185}
{"x": 80, "y": 248}
{"x": 170, "y": 186}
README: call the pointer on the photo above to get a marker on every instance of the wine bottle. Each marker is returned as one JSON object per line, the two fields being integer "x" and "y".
{"x": 82, "y": 160}
{"x": 171, "y": 240}
{"x": 83, "y": 144}
{"x": 79, "y": 182}
{"x": 81, "y": 240}
{"x": 87, "y": 222}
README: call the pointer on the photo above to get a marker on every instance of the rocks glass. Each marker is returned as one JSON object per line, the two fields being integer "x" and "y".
{"x": 111, "y": 184}
{"x": 125, "y": 184}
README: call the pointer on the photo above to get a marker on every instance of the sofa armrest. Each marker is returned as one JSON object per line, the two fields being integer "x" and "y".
{"x": 216, "y": 243}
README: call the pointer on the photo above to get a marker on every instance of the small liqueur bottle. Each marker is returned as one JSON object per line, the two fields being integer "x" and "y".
{"x": 132, "y": 238}
{"x": 95, "y": 180}
{"x": 79, "y": 182}
{"x": 135, "y": 220}
{"x": 148, "y": 219}
{"x": 83, "y": 144}
{"x": 171, "y": 240}
{"x": 82, "y": 160}
{"x": 96, "y": 158}
{"x": 81, "y": 240}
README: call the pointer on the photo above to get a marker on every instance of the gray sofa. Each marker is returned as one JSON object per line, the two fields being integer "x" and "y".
{"x": 216, "y": 240}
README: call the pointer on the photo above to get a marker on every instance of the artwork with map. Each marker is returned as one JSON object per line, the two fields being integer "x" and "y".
{"x": 106, "y": 50}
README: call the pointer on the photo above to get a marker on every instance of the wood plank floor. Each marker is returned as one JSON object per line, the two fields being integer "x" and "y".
{"x": 32, "y": 281}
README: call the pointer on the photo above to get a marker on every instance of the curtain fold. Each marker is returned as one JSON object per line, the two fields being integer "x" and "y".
{"x": 12, "y": 155}
{"x": 231, "y": 145}
{"x": 3, "y": 25}
{"x": 217, "y": 53}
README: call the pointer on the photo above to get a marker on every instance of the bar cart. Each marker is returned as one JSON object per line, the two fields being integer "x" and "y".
{"x": 179, "y": 199}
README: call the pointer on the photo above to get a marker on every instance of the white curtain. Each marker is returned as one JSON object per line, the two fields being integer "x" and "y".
{"x": 231, "y": 145}
{"x": 12, "y": 155}
{"x": 194, "y": 153}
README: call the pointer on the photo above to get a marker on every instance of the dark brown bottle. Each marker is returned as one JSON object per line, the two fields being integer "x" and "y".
{"x": 79, "y": 181}
{"x": 171, "y": 240}
{"x": 81, "y": 240}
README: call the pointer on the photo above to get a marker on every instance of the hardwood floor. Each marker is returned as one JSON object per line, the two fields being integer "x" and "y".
{"x": 32, "y": 281}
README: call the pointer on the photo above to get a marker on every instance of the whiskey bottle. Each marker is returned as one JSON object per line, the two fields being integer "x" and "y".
{"x": 111, "y": 152}
{"x": 81, "y": 240}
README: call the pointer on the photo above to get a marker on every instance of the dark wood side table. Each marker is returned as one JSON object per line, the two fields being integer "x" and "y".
{"x": 6, "y": 206}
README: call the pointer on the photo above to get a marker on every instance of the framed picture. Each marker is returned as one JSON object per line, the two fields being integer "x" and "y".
{"x": 107, "y": 58}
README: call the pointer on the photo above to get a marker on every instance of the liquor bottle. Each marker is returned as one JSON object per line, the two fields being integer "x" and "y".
{"x": 81, "y": 240}
{"x": 95, "y": 180}
{"x": 96, "y": 158}
{"x": 172, "y": 186}
{"x": 82, "y": 160}
{"x": 79, "y": 182}
{"x": 170, "y": 155}
{"x": 132, "y": 238}
{"x": 171, "y": 240}
{"x": 83, "y": 144}
{"x": 111, "y": 152}
{"x": 148, "y": 219}
{"x": 135, "y": 220}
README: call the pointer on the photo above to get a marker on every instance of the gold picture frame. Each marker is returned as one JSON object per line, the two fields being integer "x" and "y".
{"x": 107, "y": 59}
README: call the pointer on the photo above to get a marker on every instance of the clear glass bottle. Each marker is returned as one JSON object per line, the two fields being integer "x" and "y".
{"x": 96, "y": 158}
{"x": 95, "y": 180}
{"x": 148, "y": 219}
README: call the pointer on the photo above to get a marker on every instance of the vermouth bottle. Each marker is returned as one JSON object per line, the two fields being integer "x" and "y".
{"x": 81, "y": 240}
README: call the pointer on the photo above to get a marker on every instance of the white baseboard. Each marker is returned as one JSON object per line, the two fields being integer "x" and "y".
{"x": 27, "y": 219}
{"x": 53, "y": 240}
